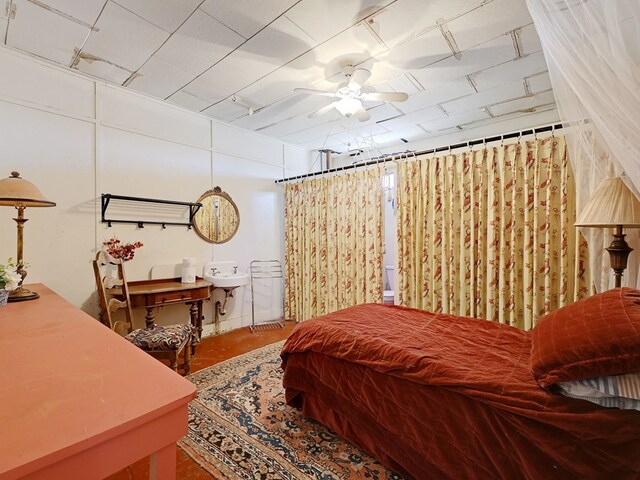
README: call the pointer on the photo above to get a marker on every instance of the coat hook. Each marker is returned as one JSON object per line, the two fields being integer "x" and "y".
{"x": 140, "y": 224}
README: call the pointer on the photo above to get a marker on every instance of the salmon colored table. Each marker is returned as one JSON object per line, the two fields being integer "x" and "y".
{"x": 77, "y": 401}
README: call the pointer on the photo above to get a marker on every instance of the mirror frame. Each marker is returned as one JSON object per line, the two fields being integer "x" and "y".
{"x": 217, "y": 192}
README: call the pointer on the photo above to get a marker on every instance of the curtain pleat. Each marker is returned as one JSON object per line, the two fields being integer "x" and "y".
{"x": 490, "y": 233}
{"x": 333, "y": 243}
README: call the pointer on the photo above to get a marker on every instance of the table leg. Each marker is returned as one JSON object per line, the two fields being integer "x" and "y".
{"x": 193, "y": 312}
{"x": 163, "y": 463}
{"x": 199, "y": 303}
{"x": 149, "y": 317}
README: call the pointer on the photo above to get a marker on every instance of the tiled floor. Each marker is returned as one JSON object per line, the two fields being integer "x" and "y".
{"x": 212, "y": 350}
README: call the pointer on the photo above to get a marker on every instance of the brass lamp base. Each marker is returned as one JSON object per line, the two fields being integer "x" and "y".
{"x": 22, "y": 294}
{"x": 619, "y": 251}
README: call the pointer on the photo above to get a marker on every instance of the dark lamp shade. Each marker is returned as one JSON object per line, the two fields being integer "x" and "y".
{"x": 15, "y": 191}
{"x": 611, "y": 204}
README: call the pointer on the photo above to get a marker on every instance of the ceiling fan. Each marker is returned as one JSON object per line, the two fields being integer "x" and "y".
{"x": 352, "y": 94}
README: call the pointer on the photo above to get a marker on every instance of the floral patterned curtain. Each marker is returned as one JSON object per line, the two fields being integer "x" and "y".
{"x": 333, "y": 243}
{"x": 490, "y": 233}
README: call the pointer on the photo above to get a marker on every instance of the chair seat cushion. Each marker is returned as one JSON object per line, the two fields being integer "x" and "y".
{"x": 160, "y": 337}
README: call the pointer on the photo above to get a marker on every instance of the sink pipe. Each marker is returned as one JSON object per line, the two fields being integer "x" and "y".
{"x": 220, "y": 308}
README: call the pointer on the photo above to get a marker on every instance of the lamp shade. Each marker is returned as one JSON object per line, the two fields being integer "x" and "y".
{"x": 611, "y": 204}
{"x": 16, "y": 191}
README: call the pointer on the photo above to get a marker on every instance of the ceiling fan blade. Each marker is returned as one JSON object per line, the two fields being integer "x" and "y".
{"x": 362, "y": 115}
{"x": 324, "y": 109}
{"x": 311, "y": 91}
{"x": 385, "y": 96}
{"x": 358, "y": 78}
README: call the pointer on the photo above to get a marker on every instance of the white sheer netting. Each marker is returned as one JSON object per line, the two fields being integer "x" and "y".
{"x": 592, "y": 48}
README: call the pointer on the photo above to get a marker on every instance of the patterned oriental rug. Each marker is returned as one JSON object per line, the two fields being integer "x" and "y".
{"x": 241, "y": 428}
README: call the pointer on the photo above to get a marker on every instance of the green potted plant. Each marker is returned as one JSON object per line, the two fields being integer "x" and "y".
{"x": 9, "y": 280}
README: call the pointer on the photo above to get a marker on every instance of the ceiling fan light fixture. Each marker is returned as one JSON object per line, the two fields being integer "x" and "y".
{"x": 347, "y": 106}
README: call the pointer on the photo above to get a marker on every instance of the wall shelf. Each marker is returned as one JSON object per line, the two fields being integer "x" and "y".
{"x": 107, "y": 197}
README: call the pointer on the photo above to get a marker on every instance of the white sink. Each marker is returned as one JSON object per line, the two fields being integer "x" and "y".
{"x": 227, "y": 280}
{"x": 224, "y": 274}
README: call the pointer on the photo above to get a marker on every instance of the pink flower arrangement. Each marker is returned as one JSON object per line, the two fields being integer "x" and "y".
{"x": 117, "y": 249}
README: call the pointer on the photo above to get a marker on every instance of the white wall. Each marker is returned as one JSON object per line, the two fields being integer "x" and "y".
{"x": 75, "y": 138}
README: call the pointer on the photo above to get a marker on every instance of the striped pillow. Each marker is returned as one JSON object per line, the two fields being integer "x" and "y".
{"x": 619, "y": 391}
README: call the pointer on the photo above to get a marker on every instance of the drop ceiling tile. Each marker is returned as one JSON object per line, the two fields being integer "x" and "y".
{"x": 124, "y": 38}
{"x": 229, "y": 110}
{"x": 246, "y": 17}
{"x": 56, "y": 38}
{"x": 493, "y": 19}
{"x": 290, "y": 107}
{"x": 166, "y": 14}
{"x": 510, "y": 71}
{"x": 292, "y": 125}
{"x": 159, "y": 78}
{"x": 510, "y": 91}
{"x": 459, "y": 119}
{"x": 414, "y": 118}
{"x": 321, "y": 132}
{"x": 438, "y": 93}
{"x": 276, "y": 45}
{"x": 189, "y": 101}
{"x": 401, "y": 83}
{"x": 521, "y": 105}
{"x": 418, "y": 53}
{"x": 382, "y": 112}
{"x": 410, "y": 133}
{"x": 539, "y": 83}
{"x": 199, "y": 43}
{"x": 493, "y": 52}
{"x": 103, "y": 70}
{"x": 275, "y": 86}
{"x": 220, "y": 81}
{"x": 391, "y": 23}
{"x": 497, "y": 127}
{"x": 529, "y": 39}
{"x": 86, "y": 11}
{"x": 322, "y": 19}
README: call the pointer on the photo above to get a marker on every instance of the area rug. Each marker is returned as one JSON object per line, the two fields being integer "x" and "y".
{"x": 241, "y": 428}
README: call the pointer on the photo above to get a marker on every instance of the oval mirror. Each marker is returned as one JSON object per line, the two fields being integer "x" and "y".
{"x": 218, "y": 218}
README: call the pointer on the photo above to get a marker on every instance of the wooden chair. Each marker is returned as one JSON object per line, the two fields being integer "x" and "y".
{"x": 161, "y": 342}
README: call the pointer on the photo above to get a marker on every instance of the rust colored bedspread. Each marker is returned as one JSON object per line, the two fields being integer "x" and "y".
{"x": 437, "y": 396}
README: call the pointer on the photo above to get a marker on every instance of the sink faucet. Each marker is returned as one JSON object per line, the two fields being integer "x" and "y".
{"x": 214, "y": 271}
{"x": 235, "y": 269}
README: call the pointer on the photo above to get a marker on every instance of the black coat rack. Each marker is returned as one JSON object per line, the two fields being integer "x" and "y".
{"x": 107, "y": 197}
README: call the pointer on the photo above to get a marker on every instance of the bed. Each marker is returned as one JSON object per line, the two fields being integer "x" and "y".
{"x": 438, "y": 396}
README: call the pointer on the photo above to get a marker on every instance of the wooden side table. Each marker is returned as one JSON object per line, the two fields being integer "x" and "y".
{"x": 150, "y": 294}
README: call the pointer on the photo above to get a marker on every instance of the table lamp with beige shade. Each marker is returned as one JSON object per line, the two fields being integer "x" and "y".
{"x": 613, "y": 205}
{"x": 19, "y": 193}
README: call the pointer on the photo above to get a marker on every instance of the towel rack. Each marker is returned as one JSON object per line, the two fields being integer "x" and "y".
{"x": 265, "y": 269}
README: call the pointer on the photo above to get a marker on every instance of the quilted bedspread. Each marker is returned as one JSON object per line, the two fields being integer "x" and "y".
{"x": 438, "y": 396}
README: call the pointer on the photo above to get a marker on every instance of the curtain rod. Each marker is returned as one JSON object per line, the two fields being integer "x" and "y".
{"x": 406, "y": 154}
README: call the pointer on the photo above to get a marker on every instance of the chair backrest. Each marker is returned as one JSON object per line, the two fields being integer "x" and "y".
{"x": 112, "y": 284}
